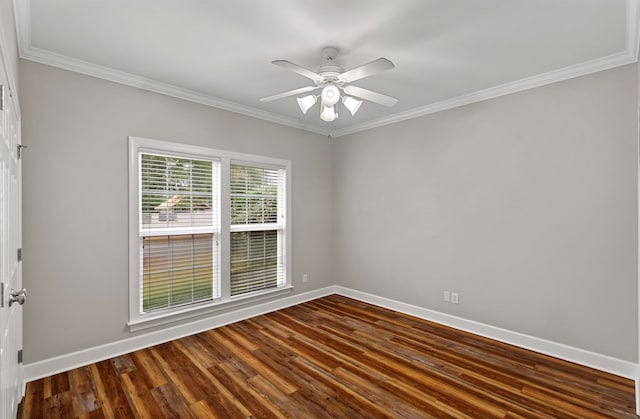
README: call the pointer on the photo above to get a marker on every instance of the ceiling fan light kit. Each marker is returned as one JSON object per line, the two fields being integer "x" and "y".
{"x": 306, "y": 102}
{"x": 330, "y": 95}
{"x": 328, "y": 114}
{"x": 332, "y": 80}
{"x": 351, "y": 104}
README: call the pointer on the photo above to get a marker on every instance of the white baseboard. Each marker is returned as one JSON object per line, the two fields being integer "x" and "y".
{"x": 600, "y": 362}
{"x": 47, "y": 367}
{"x": 66, "y": 362}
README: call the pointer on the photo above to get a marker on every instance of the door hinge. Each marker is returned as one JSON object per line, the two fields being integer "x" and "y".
{"x": 20, "y": 356}
{"x": 20, "y": 254}
{"x": 20, "y": 147}
{"x": 2, "y": 97}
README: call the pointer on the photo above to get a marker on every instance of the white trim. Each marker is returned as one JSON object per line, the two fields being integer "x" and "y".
{"x": 11, "y": 74}
{"x": 77, "y": 359}
{"x": 633, "y": 28}
{"x": 94, "y": 70}
{"x": 137, "y": 319}
{"x": 566, "y": 73}
{"x": 128, "y": 79}
{"x": 22, "y": 12}
{"x": 637, "y": 377}
{"x": 558, "y": 350}
{"x": 28, "y": 52}
{"x": 197, "y": 310}
{"x": 234, "y": 228}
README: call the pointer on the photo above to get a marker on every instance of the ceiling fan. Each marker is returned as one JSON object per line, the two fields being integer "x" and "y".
{"x": 332, "y": 80}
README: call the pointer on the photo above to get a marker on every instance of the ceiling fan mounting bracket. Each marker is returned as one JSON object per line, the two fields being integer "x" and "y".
{"x": 329, "y": 54}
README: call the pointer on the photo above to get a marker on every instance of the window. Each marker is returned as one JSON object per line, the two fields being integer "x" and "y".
{"x": 178, "y": 230}
{"x": 257, "y": 228}
{"x": 189, "y": 251}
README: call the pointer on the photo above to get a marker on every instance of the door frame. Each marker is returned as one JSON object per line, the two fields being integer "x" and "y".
{"x": 14, "y": 372}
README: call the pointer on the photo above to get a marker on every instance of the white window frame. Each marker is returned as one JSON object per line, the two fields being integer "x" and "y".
{"x": 280, "y": 226}
{"x": 139, "y": 320}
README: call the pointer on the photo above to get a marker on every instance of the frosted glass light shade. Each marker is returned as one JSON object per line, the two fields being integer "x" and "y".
{"x": 352, "y": 104}
{"x": 328, "y": 114}
{"x": 306, "y": 103}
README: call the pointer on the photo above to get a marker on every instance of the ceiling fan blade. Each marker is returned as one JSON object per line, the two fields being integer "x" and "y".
{"x": 374, "y": 97}
{"x": 366, "y": 70}
{"x": 289, "y": 93}
{"x": 287, "y": 65}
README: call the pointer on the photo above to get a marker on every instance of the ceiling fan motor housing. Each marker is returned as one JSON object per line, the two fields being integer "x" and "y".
{"x": 330, "y": 95}
{"x": 330, "y": 74}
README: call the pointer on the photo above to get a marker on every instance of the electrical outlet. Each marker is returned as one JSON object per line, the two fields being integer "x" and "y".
{"x": 447, "y": 296}
{"x": 305, "y": 278}
{"x": 454, "y": 297}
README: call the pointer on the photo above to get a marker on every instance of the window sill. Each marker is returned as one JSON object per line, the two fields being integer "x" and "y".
{"x": 207, "y": 308}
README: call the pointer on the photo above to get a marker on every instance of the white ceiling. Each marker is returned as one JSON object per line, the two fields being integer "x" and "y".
{"x": 447, "y": 52}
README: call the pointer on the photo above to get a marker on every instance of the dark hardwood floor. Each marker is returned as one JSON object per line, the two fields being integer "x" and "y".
{"x": 332, "y": 357}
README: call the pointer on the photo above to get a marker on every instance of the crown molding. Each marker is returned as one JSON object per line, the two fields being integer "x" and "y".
{"x": 90, "y": 69}
{"x": 22, "y": 14}
{"x": 633, "y": 28}
{"x": 566, "y": 73}
{"x": 22, "y": 9}
{"x": 28, "y": 52}
{"x": 630, "y": 55}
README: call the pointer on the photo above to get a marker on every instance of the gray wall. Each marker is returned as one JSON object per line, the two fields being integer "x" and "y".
{"x": 76, "y": 196}
{"x": 525, "y": 205}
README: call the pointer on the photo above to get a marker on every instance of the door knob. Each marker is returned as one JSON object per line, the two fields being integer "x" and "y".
{"x": 17, "y": 296}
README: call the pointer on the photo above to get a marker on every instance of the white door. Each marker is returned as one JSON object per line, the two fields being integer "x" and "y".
{"x": 10, "y": 241}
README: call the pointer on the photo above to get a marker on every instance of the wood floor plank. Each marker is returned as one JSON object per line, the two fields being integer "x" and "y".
{"x": 217, "y": 391}
{"x": 114, "y": 398}
{"x": 143, "y": 361}
{"x": 47, "y": 390}
{"x": 183, "y": 382}
{"x": 372, "y": 390}
{"x": 243, "y": 394}
{"x": 202, "y": 410}
{"x": 199, "y": 351}
{"x": 191, "y": 377}
{"x": 260, "y": 368}
{"x": 32, "y": 406}
{"x": 278, "y": 398}
{"x": 344, "y": 393}
{"x": 139, "y": 395}
{"x": 331, "y": 357}
{"x": 123, "y": 364}
{"x": 83, "y": 392}
{"x": 170, "y": 403}
{"x": 101, "y": 392}
{"x": 59, "y": 406}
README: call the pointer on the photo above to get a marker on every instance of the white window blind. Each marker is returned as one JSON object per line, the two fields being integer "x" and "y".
{"x": 197, "y": 245}
{"x": 178, "y": 231}
{"x": 257, "y": 228}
